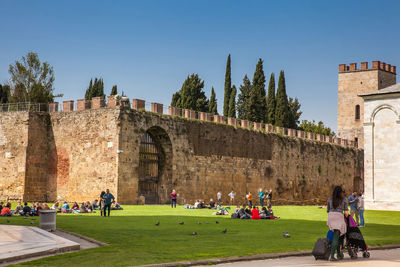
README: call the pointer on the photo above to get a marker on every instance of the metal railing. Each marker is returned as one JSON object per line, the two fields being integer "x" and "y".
{"x": 24, "y": 106}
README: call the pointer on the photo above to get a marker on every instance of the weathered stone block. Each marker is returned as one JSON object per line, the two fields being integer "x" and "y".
{"x": 174, "y": 111}
{"x": 98, "y": 102}
{"x": 219, "y": 119}
{"x": 245, "y": 123}
{"x": 301, "y": 134}
{"x": 310, "y": 136}
{"x": 204, "y": 116}
{"x": 190, "y": 114}
{"x": 157, "y": 108}
{"x": 53, "y": 107}
{"x": 320, "y": 137}
{"x": 83, "y": 104}
{"x": 292, "y": 132}
{"x": 269, "y": 128}
{"x": 257, "y": 126}
{"x": 68, "y": 105}
{"x": 337, "y": 141}
{"x": 232, "y": 121}
{"x": 138, "y": 104}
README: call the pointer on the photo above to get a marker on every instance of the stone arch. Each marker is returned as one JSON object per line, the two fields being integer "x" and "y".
{"x": 155, "y": 186}
{"x": 381, "y": 107}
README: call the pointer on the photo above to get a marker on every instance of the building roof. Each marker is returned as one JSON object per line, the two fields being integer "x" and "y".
{"x": 387, "y": 90}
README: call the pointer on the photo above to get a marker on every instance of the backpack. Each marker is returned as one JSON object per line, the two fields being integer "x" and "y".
{"x": 322, "y": 249}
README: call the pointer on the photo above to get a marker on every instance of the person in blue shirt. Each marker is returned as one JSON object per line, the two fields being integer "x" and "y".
{"x": 261, "y": 194}
{"x": 353, "y": 201}
{"x": 108, "y": 198}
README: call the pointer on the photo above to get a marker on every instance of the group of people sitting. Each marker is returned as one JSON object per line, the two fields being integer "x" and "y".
{"x": 200, "y": 204}
{"x": 34, "y": 208}
{"x": 253, "y": 213}
{"x": 23, "y": 210}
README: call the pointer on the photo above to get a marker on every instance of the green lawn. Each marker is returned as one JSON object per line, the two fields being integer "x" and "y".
{"x": 134, "y": 239}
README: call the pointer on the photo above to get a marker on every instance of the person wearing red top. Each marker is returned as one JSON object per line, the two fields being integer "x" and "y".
{"x": 6, "y": 211}
{"x": 255, "y": 214}
{"x": 173, "y": 198}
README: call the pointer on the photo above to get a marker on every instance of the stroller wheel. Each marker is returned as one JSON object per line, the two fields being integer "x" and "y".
{"x": 352, "y": 252}
{"x": 366, "y": 254}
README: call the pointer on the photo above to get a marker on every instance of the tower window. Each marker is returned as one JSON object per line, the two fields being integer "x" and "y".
{"x": 357, "y": 112}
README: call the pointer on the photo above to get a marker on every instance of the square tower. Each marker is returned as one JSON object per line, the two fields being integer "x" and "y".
{"x": 352, "y": 83}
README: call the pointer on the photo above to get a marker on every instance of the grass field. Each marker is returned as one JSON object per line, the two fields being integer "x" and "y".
{"x": 134, "y": 239}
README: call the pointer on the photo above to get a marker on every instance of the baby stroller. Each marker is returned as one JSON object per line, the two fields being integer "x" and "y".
{"x": 355, "y": 240}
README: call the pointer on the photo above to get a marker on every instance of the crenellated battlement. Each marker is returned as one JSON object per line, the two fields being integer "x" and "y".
{"x": 142, "y": 105}
{"x": 376, "y": 65}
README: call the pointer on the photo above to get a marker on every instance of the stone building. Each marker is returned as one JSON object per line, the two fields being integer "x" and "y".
{"x": 353, "y": 82}
{"x": 74, "y": 154}
{"x": 381, "y": 148}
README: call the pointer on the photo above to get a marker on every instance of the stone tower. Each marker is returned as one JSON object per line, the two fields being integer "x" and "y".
{"x": 352, "y": 83}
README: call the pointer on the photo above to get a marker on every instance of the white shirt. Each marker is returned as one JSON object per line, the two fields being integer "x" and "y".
{"x": 231, "y": 194}
{"x": 219, "y": 195}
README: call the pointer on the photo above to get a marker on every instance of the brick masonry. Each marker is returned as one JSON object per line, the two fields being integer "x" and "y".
{"x": 74, "y": 155}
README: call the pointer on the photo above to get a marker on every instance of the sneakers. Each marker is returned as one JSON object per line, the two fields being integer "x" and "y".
{"x": 333, "y": 259}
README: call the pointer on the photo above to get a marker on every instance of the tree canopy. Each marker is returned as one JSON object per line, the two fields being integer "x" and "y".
{"x": 95, "y": 89}
{"x": 31, "y": 80}
{"x": 283, "y": 114}
{"x": 227, "y": 86}
{"x": 242, "y": 105}
{"x": 317, "y": 128}
{"x": 257, "y": 100}
{"x": 212, "y": 103}
{"x": 191, "y": 96}
{"x": 232, "y": 103}
{"x": 114, "y": 90}
{"x": 271, "y": 103}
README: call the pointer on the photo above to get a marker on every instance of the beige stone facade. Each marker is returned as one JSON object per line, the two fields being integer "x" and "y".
{"x": 73, "y": 155}
{"x": 382, "y": 146}
{"x": 352, "y": 82}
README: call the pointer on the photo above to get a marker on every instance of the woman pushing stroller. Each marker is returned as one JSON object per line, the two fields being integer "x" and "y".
{"x": 337, "y": 205}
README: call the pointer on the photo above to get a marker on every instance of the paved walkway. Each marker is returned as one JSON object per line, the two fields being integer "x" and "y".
{"x": 380, "y": 258}
{"x": 19, "y": 242}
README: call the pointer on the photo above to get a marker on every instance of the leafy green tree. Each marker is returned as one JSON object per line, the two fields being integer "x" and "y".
{"x": 243, "y": 99}
{"x": 317, "y": 128}
{"x": 294, "y": 106}
{"x": 191, "y": 96}
{"x": 227, "y": 87}
{"x": 4, "y": 93}
{"x": 232, "y": 103}
{"x": 114, "y": 90}
{"x": 32, "y": 80}
{"x": 258, "y": 101}
{"x": 95, "y": 89}
{"x": 212, "y": 103}
{"x": 283, "y": 114}
{"x": 271, "y": 104}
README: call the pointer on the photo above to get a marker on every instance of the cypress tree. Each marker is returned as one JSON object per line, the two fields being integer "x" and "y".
{"x": 243, "y": 99}
{"x": 258, "y": 101}
{"x": 232, "y": 103}
{"x": 282, "y": 111}
{"x": 191, "y": 96}
{"x": 95, "y": 88}
{"x": 114, "y": 90}
{"x": 271, "y": 104}
{"x": 212, "y": 103}
{"x": 89, "y": 90}
{"x": 4, "y": 93}
{"x": 227, "y": 87}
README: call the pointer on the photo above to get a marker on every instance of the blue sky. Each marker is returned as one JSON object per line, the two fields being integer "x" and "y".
{"x": 148, "y": 48}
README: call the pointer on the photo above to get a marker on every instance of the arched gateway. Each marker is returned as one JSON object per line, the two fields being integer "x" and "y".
{"x": 154, "y": 156}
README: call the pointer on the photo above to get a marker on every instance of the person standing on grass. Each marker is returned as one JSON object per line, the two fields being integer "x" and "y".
{"x": 261, "y": 195}
{"x": 360, "y": 206}
{"x": 336, "y": 221}
{"x": 173, "y": 198}
{"x": 232, "y": 197}
{"x": 108, "y": 198}
{"x": 219, "y": 197}
{"x": 269, "y": 198}
{"x": 250, "y": 199}
{"x": 101, "y": 202}
{"x": 353, "y": 200}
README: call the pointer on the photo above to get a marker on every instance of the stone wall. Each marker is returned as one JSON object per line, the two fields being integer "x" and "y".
{"x": 79, "y": 153}
{"x": 13, "y": 146}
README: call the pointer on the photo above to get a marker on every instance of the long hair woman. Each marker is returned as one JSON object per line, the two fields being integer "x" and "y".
{"x": 337, "y": 205}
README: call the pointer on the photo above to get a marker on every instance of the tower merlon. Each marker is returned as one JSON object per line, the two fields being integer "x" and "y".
{"x": 376, "y": 65}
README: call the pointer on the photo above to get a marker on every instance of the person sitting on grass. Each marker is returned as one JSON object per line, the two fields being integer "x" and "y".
{"x": 116, "y": 206}
{"x": 212, "y": 204}
{"x": 243, "y": 213}
{"x": 270, "y": 214}
{"x": 75, "y": 206}
{"x": 56, "y": 206}
{"x": 36, "y": 210}
{"x": 18, "y": 209}
{"x": 65, "y": 208}
{"x": 5, "y": 211}
{"x": 94, "y": 204}
{"x": 45, "y": 206}
{"x": 26, "y": 211}
{"x": 255, "y": 213}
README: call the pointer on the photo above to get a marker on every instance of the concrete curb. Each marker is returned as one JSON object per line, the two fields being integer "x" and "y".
{"x": 83, "y": 237}
{"x": 252, "y": 257}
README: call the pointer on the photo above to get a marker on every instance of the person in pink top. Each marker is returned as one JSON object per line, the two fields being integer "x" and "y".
{"x": 173, "y": 198}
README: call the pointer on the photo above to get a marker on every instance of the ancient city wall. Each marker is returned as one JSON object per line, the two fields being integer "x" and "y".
{"x": 73, "y": 155}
